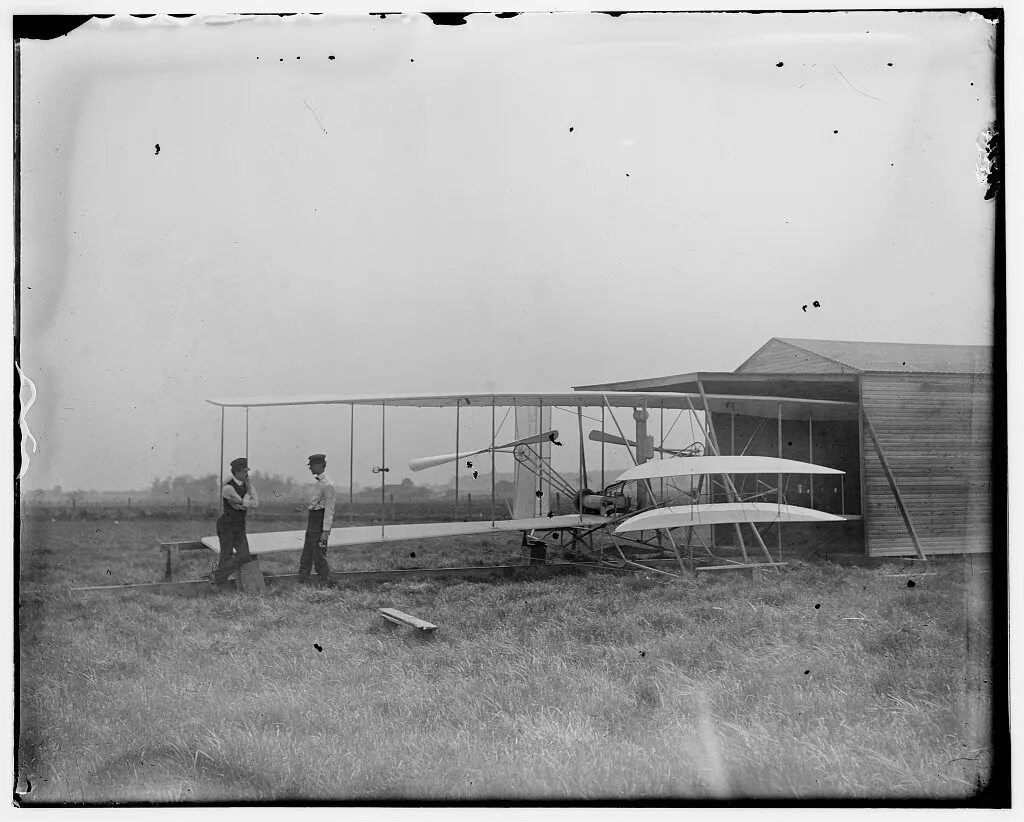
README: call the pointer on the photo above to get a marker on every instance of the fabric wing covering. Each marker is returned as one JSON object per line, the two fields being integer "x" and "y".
{"x": 272, "y": 541}
{"x": 692, "y": 466}
{"x": 680, "y": 516}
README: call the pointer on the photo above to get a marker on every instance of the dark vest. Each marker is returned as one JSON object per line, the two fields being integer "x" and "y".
{"x": 233, "y": 514}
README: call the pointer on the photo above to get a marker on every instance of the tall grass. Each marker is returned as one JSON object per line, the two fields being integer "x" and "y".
{"x": 821, "y": 682}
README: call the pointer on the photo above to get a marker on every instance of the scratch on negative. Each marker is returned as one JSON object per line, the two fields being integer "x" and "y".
{"x": 314, "y": 115}
{"x": 851, "y": 85}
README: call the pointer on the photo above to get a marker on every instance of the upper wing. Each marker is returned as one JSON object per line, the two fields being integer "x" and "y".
{"x": 791, "y": 408}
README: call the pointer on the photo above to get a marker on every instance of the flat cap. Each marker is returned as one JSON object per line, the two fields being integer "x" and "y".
{"x": 318, "y": 458}
{"x": 239, "y": 464}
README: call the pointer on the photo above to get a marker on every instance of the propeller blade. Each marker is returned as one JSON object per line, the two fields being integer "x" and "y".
{"x": 431, "y": 462}
{"x": 611, "y": 439}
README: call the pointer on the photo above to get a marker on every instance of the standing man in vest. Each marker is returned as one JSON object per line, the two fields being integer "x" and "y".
{"x": 318, "y": 526}
{"x": 238, "y": 496}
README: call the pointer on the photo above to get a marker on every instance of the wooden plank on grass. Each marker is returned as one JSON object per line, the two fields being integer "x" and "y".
{"x": 402, "y": 618}
{"x": 748, "y": 566}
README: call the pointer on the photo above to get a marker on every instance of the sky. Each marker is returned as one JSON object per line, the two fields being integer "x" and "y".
{"x": 524, "y": 204}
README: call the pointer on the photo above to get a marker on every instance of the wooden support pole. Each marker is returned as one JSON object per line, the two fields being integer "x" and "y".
{"x": 810, "y": 450}
{"x": 895, "y": 488}
{"x": 383, "y": 464}
{"x": 458, "y": 408}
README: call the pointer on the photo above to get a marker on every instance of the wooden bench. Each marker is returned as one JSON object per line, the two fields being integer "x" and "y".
{"x": 402, "y": 618}
{"x": 171, "y": 548}
{"x": 756, "y": 568}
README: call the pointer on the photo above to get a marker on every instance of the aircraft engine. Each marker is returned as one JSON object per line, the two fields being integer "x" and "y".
{"x": 589, "y": 502}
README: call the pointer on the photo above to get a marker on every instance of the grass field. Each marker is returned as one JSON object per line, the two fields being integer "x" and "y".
{"x": 823, "y": 681}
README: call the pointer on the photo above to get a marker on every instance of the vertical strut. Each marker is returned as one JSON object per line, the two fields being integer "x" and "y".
{"x": 351, "y": 456}
{"x": 220, "y": 468}
{"x": 493, "y": 435}
{"x": 458, "y": 408}
{"x": 778, "y": 492}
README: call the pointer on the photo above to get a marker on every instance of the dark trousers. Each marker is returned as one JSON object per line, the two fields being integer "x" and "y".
{"x": 234, "y": 548}
{"x": 312, "y": 554}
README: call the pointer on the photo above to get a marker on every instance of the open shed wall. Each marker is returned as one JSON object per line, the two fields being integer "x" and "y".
{"x": 936, "y": 434}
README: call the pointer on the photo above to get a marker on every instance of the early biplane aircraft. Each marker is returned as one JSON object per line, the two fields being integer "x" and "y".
{"x": 628, "y": 513}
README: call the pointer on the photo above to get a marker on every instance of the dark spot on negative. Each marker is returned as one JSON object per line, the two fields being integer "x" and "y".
{"x": 804, "y": 308}
{"x": 469, "y": 463}
{"x": 157, "y": 149}
{"x": 643, "y": 653}
{"x": 538, "y": 494}
{"x": 817, "y": 605}
{"x": 475, "y": 475}
{"x": 888, "y": 64}
{"x": 836, "y": 131}
{"x": 816, "y": 304}
{"x": 330, "y": 56}
{"x": 570, "y": 129}
{"x": 318, "y": 648}
{"x": 447, "y": 18}
{"x": 412, "y": 554}
{"x": 779, "y": 64}
{"x": 911, "y": 583}
{"x": 627, "y": 173}
{"x": 807, "y": 672}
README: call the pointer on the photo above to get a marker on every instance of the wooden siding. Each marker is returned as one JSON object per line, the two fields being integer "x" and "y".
{"x": 777, "y": 357}
{"x": 936, "y": 433}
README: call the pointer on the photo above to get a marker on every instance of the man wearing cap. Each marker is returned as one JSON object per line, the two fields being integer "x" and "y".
{"x": 318, "y": 526}
{"x": 237, "y": 496}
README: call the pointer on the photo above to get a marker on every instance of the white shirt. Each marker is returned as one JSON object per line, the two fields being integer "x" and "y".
{"x": 322, "y": 497}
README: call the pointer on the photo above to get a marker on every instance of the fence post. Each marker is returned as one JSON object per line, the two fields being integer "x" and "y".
{"x": 469, "y": 506}
{"x": 73, "y": 508}
{"x": 188, "y": 507}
